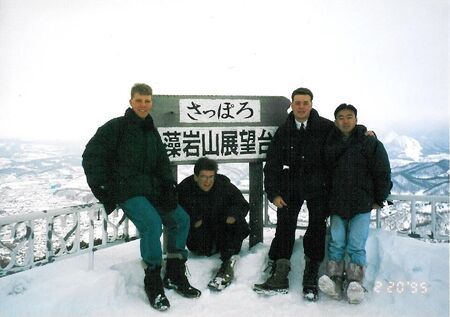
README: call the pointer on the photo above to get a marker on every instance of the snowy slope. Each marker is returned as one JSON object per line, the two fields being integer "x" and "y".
{"x": 115, "y": 286}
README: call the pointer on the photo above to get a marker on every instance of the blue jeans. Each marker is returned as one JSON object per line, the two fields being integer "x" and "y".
{"x": 148, "y": 220}
{"x": 349, "y": 235}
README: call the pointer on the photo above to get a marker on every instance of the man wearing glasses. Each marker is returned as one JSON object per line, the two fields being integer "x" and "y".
{"x": 217, "y": 210}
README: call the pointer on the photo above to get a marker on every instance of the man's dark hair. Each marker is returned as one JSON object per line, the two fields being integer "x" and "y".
{"x": 142, "y": 89}
{"x": 302, "y": 91}
{"x": 344, "y": 106}
{"x": 205, "y": 164}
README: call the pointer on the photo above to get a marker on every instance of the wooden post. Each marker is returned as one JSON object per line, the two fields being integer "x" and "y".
{"x": 256, "y": 202}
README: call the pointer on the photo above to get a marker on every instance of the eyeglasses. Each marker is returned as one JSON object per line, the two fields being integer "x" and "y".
{"x": 206, "y": 178}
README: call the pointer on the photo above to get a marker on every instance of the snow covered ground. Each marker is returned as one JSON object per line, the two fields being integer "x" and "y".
{"x": 405, "y": 277}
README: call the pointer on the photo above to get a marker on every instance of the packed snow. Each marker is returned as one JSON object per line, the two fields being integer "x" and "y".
{"x": 404, "y": 277}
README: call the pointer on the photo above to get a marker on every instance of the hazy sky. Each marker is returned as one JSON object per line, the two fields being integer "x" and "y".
{"x": 67, "y": 66}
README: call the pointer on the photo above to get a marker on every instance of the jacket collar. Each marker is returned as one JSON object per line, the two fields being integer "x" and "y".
{"x": 290, "y": 121}
{"x": 146, "y": 124}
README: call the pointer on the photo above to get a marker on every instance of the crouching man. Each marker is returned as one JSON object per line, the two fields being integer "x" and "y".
{"x": 217, "y": 210}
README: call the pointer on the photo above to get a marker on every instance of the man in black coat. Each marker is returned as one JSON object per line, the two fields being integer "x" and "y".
{"x": 294, "y": 173}
{"x": 126, "y": 163}
{"x": 217, "y": 210}
{"x": 361, "y": 181}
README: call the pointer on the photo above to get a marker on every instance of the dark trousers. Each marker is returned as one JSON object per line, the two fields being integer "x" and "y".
{"x": 314, "y": 239}
{"x": 225, "y": 238}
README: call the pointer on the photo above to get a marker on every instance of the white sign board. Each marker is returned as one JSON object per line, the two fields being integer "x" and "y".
{"x": 219, "y": 110}
{"x": 242, "y": 143}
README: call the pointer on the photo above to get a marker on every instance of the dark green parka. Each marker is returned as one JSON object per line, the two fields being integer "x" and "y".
{"x": 126, "y": 158}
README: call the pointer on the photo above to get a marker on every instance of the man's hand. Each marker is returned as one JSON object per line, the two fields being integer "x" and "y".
{"x": 279, "y": 202}
{"x": 371, "y": 133}
{"x": 230, "y": 220}
{"x": 198, "y": 223}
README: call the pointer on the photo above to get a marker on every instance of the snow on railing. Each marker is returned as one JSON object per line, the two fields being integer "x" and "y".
{"x": 430, "y": 211}
{"x": 39, "y": 238}
{"x": 406, "y": 205}
{"x": 31, "y": 240}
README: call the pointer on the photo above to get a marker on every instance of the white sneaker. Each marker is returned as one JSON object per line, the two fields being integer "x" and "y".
{"x": 355, "y": 293}
{"x": 331, "y": 287}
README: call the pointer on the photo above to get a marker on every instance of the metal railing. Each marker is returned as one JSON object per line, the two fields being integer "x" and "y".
{"x": 380, "y": 214}
{"x": 433, "y": 214}
{"x": 31, "y": 240}
{"x": 39, "y": 238}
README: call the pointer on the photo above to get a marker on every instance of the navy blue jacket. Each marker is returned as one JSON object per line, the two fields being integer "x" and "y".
{"x": 360, "y": 173}
{"x": 294, "y": 166}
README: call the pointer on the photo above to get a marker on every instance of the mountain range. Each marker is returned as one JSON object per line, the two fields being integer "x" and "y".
{"x": 38, "y": 176}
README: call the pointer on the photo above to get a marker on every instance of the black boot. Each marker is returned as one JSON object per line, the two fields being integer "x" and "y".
{"x": 224, "y": 276}
{"x": 278, "y": 282}
{"x": 310, "y": 277}
{"x": 155, "y": 290}
{"x": 175, "y": 278}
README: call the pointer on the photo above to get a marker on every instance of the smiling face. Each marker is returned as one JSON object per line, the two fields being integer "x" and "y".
{"x": 301, "y": 107}
{"x": 141, "y": 105}
{"x": 345, "y": 121}
{"x": 205, "y": 180}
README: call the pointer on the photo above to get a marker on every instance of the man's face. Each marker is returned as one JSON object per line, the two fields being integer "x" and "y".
{"x": 345, "y": 121}
{"x": 301, "y": 107}
{"x": 141, "y": 105}
{"x": 205, "y": 180}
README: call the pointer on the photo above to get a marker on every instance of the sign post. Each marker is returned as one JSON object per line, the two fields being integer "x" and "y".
{"x": 224, "y": 128}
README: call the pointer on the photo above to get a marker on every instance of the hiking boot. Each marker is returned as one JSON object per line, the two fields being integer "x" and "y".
{"x": 175, "y": 278}
{"x": 331, "y": 284}
{"x": 224, "y": 276}
{"x": 354, "y": 289}
{"x": 278, "y": 282}
{"x": 310, "y": 276}
{"x": 270, "y": 268}
{"x": 154, "y": 289}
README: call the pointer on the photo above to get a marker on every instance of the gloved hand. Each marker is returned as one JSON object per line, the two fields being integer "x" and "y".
{"x": 168, "y": 199}
{"x": 105, "y": 196}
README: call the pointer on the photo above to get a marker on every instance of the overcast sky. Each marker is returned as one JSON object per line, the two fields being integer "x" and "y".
{"x": 67, "y": 66}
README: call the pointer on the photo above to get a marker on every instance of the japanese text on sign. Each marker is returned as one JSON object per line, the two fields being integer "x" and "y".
{"x": 219, "y": 110}
{"x": 184, "y": 144}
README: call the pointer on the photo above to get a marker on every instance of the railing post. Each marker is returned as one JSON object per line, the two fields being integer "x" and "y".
{"x": 50, "y": 254}
{"x": 77, "y": 240}
{"x": 378, "y": 218}
{"x": 433, "y": 220}
{"x": 256, "y": 202}
{"x": 266, "y": 211}
{"x": 413, "y": 220}
{"x": 91, "y": 241}
{"x": 30, "y": 251}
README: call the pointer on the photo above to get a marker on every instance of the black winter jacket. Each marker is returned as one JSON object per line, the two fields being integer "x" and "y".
{"x": 126, "y": 158}
{"x": 294, "y": 166}
{"x": 360, "y": 173}
{"x": 222, "y": 200}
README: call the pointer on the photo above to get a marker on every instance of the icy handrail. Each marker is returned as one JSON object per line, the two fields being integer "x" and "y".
{"x": 21, "y": 234}
{"x": 39, "y": 238}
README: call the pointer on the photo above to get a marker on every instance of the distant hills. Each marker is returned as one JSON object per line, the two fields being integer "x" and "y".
{"x": 37, "y": 176}
{"x": 415, "y": 168}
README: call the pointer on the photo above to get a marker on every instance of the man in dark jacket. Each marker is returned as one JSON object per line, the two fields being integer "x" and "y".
{"x": 361, "y": 181}
{"x": 217, "y": 210}
{"x": 294, "y": 173}
{"x": 126, "y": 163}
